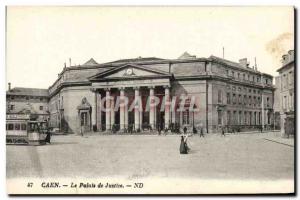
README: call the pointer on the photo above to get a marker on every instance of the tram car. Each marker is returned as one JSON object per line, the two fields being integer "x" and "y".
{"x": 23, "y": 129}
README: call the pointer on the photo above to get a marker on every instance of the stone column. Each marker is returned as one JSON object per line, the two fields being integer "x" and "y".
{"x": 152, "y": 108}
{"x": 122, "y": 110}
{"x": 167, "y": 106}
{"x": 99, "y": 125}
{"x": 107, "y": 110}
{"x": 141, "y": 114}
{"x": 126, "y": 115}
{"x": 112, "y": 111}
{"x": 136, "y": 109}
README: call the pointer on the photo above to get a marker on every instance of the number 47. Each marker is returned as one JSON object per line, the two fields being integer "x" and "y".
{"x": 29, "y": 184}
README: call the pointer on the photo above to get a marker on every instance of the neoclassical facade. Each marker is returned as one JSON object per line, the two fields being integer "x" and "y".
{"x": 161, "y": 93}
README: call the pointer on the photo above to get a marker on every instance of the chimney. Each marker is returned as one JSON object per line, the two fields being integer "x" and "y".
{"x": 244, "y": 62}
{"x": 65, "y": 65}
{"x": 9, "y": 86}
{"x": 70, "y": 61}
{"x": 291, "y": 55}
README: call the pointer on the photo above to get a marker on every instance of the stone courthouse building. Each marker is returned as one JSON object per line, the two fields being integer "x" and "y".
{"x": 220, "y": 93}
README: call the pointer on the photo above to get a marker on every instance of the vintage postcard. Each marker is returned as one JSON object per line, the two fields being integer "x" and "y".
{"x": 150, "y": 100}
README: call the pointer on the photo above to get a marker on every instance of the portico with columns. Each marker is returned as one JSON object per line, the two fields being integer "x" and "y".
{"x": 125, "y": 99}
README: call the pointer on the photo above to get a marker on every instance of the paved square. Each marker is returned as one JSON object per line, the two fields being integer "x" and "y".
{"x": 248, "y": 156}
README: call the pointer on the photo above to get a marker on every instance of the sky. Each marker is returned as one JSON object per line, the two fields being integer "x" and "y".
{"x": 39, "y": 40}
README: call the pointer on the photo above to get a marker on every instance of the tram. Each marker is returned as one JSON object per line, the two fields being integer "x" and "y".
{"x": 24, "y": 129}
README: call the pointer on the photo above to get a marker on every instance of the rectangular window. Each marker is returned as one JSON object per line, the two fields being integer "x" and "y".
{"x": 250, "y": 100}
{"x": 233, "y": 99}
{"x": 240, "y": 99}
{"x": 234, "y": 118}
{"x": 268, "y": 102}
{"x": 291, "y": 78}
{"x": 228, "y": 118}
{"x": 238, "y": 75}
{"x": 17, "y": 127}
{"x": 219, "y": 117}
{"x": 12, "y": 107}
{"x": 240, "y": 117}
{"x": 41, "y": 108}
{"x": 245, "y": 117}
{"x": 292, "y": 101}
{"x": 245, "y": 99}
{"x": 244, "y": 77}
{"x": 228, "y": 98}
{"x": 23, "y": 127}
{"x": 10, "y": 126}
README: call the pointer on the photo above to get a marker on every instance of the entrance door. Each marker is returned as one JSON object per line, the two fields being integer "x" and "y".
{"x": 85, "y": 121}
{"x": 117, "y": 120}
{"x": 160, "y": 120}
{"x": 131, "y": 118}
{"x": 145, "y": 121}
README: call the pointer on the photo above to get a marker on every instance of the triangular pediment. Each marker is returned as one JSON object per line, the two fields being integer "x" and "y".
{"x": 129, "y": 71}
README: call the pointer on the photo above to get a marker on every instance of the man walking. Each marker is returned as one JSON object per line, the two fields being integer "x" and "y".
{"x": 223, "y": 131}
{"x": 201, "y": 132}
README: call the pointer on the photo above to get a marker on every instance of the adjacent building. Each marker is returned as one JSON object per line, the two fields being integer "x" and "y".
{"x": 222, "y": 93}
{"x": 32, "y": 101}
{"x": 286, "y": 93}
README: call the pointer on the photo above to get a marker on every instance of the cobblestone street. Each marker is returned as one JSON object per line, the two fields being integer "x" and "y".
{"x": 240, "y": 156}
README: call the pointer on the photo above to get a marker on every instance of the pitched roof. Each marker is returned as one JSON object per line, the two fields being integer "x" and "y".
{"x": 137, "y": 60}
{"x": 231, "y": 63}
{"x": 28, "y": 91}
{"x": 111, "y": 71}
{"x": 186, "y": 55}
{"x": 91, "y": 62}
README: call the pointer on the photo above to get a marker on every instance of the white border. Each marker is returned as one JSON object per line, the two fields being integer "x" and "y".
{"x": 4, "y": 3}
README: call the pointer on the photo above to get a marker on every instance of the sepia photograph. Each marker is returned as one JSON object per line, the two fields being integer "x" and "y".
{"x": 150, "y": 100}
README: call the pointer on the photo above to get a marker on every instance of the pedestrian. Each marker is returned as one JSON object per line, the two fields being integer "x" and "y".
{"x": 223, "y": 131}
{"x": 159, "y": 130}
{"x": 201, "y": 132}
{"x": 183, "y": 146}
{"x": 184, "y": 130}
{"x": 48, "y": 137}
